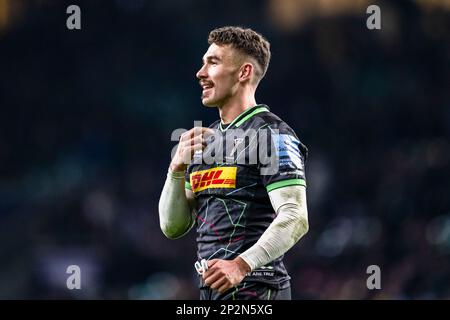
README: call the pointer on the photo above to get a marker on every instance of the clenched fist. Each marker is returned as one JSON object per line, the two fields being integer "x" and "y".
{"x": 190, "y": 141}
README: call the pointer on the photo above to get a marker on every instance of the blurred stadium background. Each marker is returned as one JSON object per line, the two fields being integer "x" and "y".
{"x": 86, "y": 119}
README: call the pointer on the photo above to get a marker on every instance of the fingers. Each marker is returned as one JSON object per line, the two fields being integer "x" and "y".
{"x": 188, "y": 147}
{"x": 212, "y": 262}
{"x": 215, "y": 279}
{"x": 220, "y": 283}
{"x": 210, "y": 270}
{"x": 199, "y": 141}
{"x": 195, "y": 147}
{"x": 211, "y": 278}
{"x": 186, "y": 151}
{"x": 191, "y": 141}
{"x": 196, "y": 131}
{"x": 224, "y": 287}
{"x": 211, "y": 274}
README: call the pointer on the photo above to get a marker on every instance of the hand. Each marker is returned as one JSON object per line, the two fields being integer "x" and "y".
{"x": 225, "y": 274}
{"x": 190, "y": 141}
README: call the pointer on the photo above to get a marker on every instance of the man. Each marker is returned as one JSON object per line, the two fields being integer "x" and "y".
{"x": 247, "y": 214}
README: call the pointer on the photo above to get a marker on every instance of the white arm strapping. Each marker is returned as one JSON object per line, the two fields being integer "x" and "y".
{"x": 290, "y": 224}
{"x": 175, "y": 218}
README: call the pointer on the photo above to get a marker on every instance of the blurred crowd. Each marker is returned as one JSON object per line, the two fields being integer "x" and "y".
{"x": 85, "y": 143}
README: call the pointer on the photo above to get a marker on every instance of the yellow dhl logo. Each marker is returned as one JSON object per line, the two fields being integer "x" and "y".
{"x": 222, "y": 177}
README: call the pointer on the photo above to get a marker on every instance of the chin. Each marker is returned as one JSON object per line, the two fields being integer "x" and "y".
{"x": 209, "y": 103}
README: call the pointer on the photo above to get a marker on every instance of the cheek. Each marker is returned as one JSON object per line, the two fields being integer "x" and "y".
{"x": 223, "y": 80}
{"x": 214, "y": 74}
{"x": 218, "y": 73}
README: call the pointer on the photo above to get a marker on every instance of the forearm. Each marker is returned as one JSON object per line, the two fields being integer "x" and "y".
{"x": 175, "y": 216}
{"x": 290, "y": 224}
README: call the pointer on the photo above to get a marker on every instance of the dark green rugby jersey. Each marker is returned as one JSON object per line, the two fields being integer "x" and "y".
{"x": 258, "y": 152}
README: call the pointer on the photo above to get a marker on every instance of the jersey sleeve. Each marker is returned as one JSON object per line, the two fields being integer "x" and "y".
{"x": 282, "y": 157}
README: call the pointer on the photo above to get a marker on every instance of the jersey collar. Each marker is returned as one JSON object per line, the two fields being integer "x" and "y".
{"x": 244, "y": 116}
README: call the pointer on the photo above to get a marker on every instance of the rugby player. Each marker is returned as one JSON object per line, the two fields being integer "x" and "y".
{"x": 247, "y": 214}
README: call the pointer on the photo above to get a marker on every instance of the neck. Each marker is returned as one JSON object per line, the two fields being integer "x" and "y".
{"x": 235, "y": 106}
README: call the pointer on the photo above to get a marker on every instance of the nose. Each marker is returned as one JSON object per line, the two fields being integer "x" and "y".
{"x": 201, "y": 74}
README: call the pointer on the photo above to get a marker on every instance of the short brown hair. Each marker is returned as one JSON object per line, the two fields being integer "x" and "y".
{"x": 246, "y": 41}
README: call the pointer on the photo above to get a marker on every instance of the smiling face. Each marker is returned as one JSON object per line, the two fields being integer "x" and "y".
{"x": 219, "y": 75}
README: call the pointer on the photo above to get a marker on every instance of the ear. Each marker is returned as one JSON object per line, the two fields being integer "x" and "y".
{"x": 245, "y": 72}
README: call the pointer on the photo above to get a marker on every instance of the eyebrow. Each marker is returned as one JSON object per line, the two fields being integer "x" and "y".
{"x": 210, "y": 58}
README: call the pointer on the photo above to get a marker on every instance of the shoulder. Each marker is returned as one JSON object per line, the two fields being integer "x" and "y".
{"x": 270, "y": 120}
{"x": 277, "y": 127}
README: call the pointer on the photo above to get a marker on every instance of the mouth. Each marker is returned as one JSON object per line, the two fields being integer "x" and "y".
{"x": 206, "y": 86}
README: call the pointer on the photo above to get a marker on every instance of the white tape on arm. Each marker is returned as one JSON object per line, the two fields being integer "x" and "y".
{"x": 175, "y": 216}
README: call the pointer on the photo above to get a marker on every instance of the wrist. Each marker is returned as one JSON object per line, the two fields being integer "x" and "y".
{"x": 177, "y": 167}
{"x": 242, "y": 264}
